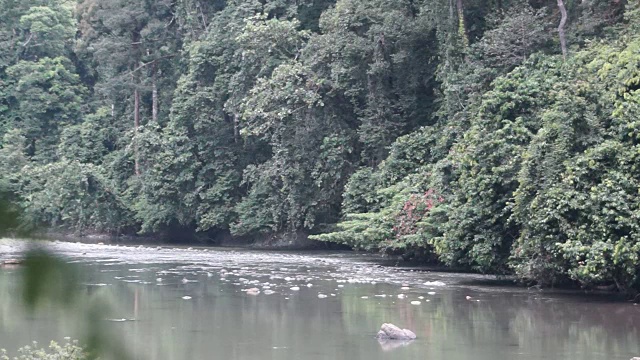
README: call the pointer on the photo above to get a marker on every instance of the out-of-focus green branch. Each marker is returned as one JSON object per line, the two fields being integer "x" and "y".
{"x": 49, "y": 279}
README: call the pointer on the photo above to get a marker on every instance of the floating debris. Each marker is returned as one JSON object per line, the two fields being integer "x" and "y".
{"x": 295, "y": 288}
{"x": 416, "y": 302}
{"x": 435, "y": 283}
{"x": 322, "y": 296}
{"x": 186, "y": 298}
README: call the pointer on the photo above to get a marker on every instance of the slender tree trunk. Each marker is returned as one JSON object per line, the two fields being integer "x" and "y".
{"x": 136, "y": 125}
{"x": 563, "y": 22}
{"x": 135, "y": 77}
{"x": 236, "y": 127}
{"x": 451, "y": 11}
{"x": 154, "y": 94}
{"x": 462, "y": 25}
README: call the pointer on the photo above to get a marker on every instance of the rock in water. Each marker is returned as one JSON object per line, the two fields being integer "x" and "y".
{"x": 253, "y": 291}
{"x": 392, "y": 332}
{"x": 12, "y": 262}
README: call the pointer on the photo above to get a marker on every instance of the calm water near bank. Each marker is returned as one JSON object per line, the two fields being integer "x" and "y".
{"x": 178, "y": 303}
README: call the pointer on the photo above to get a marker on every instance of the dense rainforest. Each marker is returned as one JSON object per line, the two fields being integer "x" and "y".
{"x": 501, "y": 136}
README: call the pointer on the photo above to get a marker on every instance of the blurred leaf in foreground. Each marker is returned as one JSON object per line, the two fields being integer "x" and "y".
{"x": 48, "y": 277}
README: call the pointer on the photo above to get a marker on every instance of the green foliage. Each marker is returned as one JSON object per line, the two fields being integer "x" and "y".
{"x": 73, "y": 195}
{"x": 45, "y": 274}
{"x": 538, "y": 179}
{"x": 577, "y": 223}
{"x": 48, "y": 96}
{"x": 519, "y": 33}
{"x": 89, "y": 142}
{"x": 68, "y": 351}
{"x": 49, "y": 29}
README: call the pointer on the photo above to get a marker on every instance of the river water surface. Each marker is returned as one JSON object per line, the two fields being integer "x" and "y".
{"x": 183, "y": 303}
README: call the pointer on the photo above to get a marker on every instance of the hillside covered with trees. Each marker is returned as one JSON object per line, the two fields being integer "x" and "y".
{"x": 500, "y": 136}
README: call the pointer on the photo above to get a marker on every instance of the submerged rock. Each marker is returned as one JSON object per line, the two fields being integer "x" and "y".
{"x": 392, "y": 332}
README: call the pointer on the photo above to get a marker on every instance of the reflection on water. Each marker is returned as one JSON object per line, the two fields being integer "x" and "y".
{"x": 190, "y": 304}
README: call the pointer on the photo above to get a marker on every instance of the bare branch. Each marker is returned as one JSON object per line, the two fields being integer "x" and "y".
{"x": 563, "y": 22}
{"x": 28, "y": 40}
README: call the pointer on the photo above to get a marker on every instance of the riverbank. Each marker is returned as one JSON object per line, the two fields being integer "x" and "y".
{"x": 186, "y": 303}
{"x": 374, "y": 259}
{"x": 272, "y": 241}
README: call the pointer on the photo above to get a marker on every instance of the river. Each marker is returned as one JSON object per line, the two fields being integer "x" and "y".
{"x": 190, "y": 303}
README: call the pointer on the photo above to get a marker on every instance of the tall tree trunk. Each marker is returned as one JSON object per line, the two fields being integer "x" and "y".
{"x": 236, "y": 127}
{"x": 136, "y": 125}
{"x": 135, "y": 77}
{"x": 462, "y": 25}
{"x": 451, "y": 11}
{"x": 563, "y": 22}
{"x": 154, "y": 94}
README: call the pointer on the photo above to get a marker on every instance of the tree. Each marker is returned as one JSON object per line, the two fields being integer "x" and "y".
{"x": 48, "y": 96}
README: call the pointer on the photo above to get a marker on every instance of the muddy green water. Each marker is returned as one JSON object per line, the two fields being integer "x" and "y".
{"x": 190, "y": 304}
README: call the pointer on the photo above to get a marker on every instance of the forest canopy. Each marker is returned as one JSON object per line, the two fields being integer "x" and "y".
{"x": 498, "y": 136}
